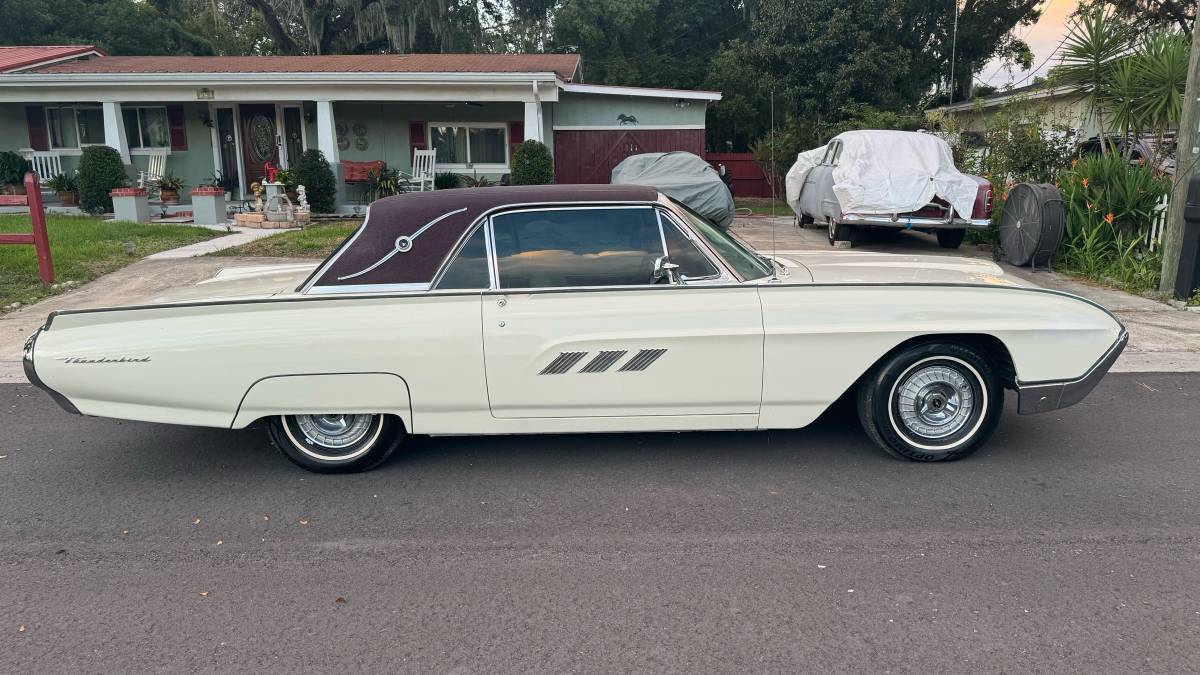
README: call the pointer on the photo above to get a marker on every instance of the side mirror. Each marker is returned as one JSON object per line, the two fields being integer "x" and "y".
{"x": 663, "y": 267}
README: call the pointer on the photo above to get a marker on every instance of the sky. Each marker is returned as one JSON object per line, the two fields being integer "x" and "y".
{"x": 1043, "y": 37}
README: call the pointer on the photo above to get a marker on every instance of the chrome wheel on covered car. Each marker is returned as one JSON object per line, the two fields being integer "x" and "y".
{"x": 337, "y": 442}
{"x": 931, "y": 402}
{"x": 838, "y": 232}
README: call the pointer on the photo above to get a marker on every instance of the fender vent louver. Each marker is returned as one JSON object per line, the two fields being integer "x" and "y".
{"x": 641, "y": 360}
{"x": 562, "y": 363}
{"x": 603, "y": 361}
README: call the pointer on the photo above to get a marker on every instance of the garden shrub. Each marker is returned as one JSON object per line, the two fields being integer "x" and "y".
{"x": 532, "y": 164}
{"x": 313, "y": 172}
{"x": 445, "y": 181}
{"x": 13, "y": 168}
{"x": 100, "y": 170}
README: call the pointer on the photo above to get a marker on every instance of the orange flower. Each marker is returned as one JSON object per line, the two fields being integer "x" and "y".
{"x": 1108, "y": 219}
{"x": 1074, "y": 162}
{"x": 1089, "y": 205}
{"x": 1084, "y": 182}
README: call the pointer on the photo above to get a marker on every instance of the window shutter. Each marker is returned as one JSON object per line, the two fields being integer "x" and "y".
{"x": 416, "y": 139}
{"x": 516, "y": 136}
{"x": 178, "y": 127}
{"x": 35, "y": 118}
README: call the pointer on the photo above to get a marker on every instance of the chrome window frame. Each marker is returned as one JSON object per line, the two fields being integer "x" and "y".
{"x": 722, "y": 274}
{"x": 458, "y": 248}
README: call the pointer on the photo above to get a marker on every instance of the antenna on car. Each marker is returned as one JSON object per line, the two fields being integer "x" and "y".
{"x": 774, "y": 173}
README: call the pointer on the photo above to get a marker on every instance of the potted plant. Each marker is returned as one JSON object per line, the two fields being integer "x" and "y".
{"x": 168, "y": 188}
{"x": 218, "y": 179}
{"x": 287, "y": 178}
{"x": 67, "y": 187}
{"x": 13, "y": 168}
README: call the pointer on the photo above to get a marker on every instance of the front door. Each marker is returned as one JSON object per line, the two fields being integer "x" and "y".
{"x": 260, "y": 141}
{"x": 580, "y": 328}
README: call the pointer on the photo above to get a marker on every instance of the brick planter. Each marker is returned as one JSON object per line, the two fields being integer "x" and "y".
{"x": 208, "y": 206}
{"x": 131, "y": 204}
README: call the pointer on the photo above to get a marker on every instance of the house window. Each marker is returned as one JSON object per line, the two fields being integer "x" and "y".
{"x": 74, "y": 126}
{"x": 465, "y": 146}
{"x": 146, "y": 127}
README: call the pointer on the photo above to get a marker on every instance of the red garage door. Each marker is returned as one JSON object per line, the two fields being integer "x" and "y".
{"x": 589, "y": 156}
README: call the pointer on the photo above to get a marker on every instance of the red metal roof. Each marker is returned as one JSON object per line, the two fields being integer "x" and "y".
{"x": 16, "y": 58}
{"x": 563, "y": 65}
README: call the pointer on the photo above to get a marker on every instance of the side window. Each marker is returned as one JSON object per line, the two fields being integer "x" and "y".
{"x": 556, "y": 248}
{"x": 837, "y": 152}
{"x": 683, "y": 251}
{"x": 469, "y": 269}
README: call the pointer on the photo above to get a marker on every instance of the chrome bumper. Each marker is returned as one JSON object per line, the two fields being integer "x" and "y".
{"x": 1039, "y": 397}
{"x": 910, "y": 223}
{"x": 32, "y": 376}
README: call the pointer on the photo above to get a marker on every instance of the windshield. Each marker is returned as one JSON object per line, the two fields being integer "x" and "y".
{"x": 748, "y": 264}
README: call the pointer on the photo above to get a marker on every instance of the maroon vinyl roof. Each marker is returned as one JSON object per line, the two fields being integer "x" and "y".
{"x": 401, "y": 216}
{"x": 17, "y": 58}
{"x": 562, "y": 65}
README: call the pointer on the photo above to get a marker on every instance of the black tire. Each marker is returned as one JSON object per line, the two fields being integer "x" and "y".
{"x": 883, "y": 411}
{"x": 805, "y": 221}
{"x": 373, "y": 441}
{"x": 838, "y": 232}
{"x": 950, "y": 238}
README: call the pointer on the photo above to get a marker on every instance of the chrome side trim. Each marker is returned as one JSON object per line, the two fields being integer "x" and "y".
{"x": 404, "y": 243}
{"x": 368, "y": 288}
{"x": 562, "y": 363}
{"x": 642, "y": 360}
{"x": 1039, "y": 397}
{"x": 31, "y": 374}
{"x": 603, "y": 361}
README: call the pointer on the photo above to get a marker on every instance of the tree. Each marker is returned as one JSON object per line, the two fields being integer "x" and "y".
{"x": 1089, "y": 53}
{"x": 1149, "y": 14}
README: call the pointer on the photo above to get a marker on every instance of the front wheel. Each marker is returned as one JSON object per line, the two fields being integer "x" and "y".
{"x": 931, "y": 402}
{"x": 838, "y": 232}
{"x": 336, "y": 443}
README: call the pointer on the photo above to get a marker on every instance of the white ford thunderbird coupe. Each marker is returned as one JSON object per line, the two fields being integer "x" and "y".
{"x": 577, "y": 309}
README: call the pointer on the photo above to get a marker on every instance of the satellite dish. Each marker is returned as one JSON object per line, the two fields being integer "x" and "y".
{"x": 1031, "y": 224}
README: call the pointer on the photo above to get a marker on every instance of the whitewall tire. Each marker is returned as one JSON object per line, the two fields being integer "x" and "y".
{"x": 336, "y": 443}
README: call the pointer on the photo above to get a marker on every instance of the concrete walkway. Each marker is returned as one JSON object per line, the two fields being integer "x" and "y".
{"x": 1161, "y": 337}
{"x": 239, "y": 236}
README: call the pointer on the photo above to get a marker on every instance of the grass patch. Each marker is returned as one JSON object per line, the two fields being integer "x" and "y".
{"x": 317, "y": 241}
{"x": 761, "y": 206}
{"x": 82, "y": 249}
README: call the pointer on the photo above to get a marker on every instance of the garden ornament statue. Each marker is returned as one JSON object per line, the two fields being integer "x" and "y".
{"x": 257, "y": 189}
{"x": 302, "y": 197}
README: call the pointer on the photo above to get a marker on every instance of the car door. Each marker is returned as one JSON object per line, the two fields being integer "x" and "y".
{"x": 577, "y": 325}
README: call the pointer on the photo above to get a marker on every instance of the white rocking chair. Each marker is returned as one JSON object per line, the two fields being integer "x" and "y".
{"x": 155, "y": 168}
{"x": 46, "y": 163}
{"x": 423, "y": 168}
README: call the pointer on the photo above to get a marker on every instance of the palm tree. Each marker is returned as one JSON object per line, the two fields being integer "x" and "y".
{"x": 1095, "y": 43}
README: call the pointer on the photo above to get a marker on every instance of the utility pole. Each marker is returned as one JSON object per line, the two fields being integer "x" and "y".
{"x": 1187, "y": 154}
{"x": 953, "y": 49}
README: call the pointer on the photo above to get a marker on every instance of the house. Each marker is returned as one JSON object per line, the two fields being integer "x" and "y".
{"x": 229, "y": 115}
{"x": 1054, "y": 105}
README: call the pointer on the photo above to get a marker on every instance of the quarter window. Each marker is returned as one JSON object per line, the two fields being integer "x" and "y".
{"x": 556, "y": 248}
{"x": 683, "y": 252}
{"x": 469, "y": 269}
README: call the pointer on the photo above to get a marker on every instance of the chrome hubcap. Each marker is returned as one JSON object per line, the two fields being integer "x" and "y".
{"x": 334, "y": 431}
{"x": 935, "y": 401}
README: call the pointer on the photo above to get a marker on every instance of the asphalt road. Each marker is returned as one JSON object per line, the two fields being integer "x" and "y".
{"x": 1069, "y": 544}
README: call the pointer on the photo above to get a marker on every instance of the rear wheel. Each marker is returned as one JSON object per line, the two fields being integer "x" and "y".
{"x": 950, "y": 238}
{"x": 838, "y": 232}
{"x": 931, "y": 402}
{"x": 336, "y": 443}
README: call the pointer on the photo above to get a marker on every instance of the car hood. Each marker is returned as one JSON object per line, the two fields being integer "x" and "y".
{"x": 831, "y": 267}
{"x": 242, "y": 282}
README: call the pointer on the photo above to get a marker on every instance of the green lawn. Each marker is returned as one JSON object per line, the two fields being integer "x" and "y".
{"x": 317, "y": 241}
{"x": 82, "y": 249}
{"x": 762, "y": 206}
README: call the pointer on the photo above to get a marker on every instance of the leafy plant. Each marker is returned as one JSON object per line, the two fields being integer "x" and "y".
{"x": 217, "y": 179}
{"x": 445, "y": 181}
{"x": 286, "y": 177}
{"x": 100, "y": 170}
{"x": 1088, "y": 54}
{"x": 475, "y": 181}
{"x": 169, "y": 181}
{"x": 13, "y": 168}
{"x": 313, "y": 172}
{"x": 63, "y": 182}
{"x": 532, "y": 164}
{"x": 383, "y": 183}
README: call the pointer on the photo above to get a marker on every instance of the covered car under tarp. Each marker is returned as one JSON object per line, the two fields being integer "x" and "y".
{"x": 683, "y": 177}
{"x": 886, "y": 172}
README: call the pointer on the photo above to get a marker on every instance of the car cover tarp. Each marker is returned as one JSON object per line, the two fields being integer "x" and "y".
{"x": 885, "y": 172}
{"x": 681, "y": 176}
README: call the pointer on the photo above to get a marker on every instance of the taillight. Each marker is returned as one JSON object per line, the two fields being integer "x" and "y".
{"x": 982, "y": 210}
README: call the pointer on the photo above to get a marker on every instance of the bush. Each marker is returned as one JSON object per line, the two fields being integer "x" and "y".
{"x": 100, "y": 170}
{"x": 12, "y": 168}
{"x": 532, "y": 164}
{"x": 313, "y": 172}
{"x": 445, "y": 181}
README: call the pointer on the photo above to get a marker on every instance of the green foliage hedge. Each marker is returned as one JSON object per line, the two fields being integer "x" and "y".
{"x": 532, "y": 164}
{"x": 12, "y": 168}
{"x": 100, "y": 170}
{"x": 313, "y": 172}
